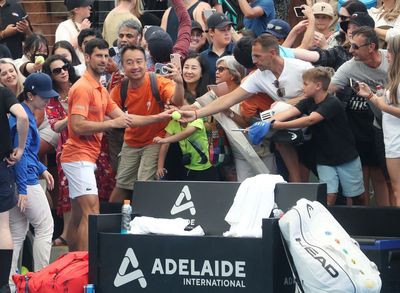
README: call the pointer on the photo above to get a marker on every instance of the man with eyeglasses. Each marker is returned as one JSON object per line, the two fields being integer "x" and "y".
{"x": 198, "y": 42}
{"x": 257, "y": 14}
{"x": 220, "y": 32}
{"x": 369, "y": 65}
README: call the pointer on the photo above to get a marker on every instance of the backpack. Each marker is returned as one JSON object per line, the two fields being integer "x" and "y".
{"x": 325, "y": 257}
{"x": 115, "y": 137}
{"x": 69, "y": 273}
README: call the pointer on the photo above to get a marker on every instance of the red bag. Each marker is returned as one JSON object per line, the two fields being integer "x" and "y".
{"x": 69, "y": 273}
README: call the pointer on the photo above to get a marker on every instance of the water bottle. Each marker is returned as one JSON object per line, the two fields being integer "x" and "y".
{"x": 126, "y": 216}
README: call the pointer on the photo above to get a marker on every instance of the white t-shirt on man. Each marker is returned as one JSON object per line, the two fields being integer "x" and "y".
{"x": 290, "y": 80}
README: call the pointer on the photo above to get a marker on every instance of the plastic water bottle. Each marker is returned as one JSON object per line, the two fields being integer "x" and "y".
{"x": 126, "y": 216}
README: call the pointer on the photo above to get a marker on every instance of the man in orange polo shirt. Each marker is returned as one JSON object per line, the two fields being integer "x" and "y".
{"x": 139, "y": 155}
{"x": 89, "y": 104}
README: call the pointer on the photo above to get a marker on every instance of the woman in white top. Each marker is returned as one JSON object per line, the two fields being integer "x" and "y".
{"x": 390, "y": 106}
{"x": 69, "y": 29}
{"x": 387, "y": 20}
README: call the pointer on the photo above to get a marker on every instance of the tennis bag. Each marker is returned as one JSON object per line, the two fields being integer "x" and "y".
{"x": 69, "y": 273}
{"x": 325, "y": 257}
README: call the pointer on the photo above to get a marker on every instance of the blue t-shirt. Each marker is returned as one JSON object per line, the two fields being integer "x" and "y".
{"x": 259, "y": 24}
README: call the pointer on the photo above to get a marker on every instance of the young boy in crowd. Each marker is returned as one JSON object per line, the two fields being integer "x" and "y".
{"x": 332, "y": 140}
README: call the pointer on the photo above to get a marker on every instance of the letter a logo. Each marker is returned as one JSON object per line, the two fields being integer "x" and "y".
{"x": 123, "y": 278}
{"x": 179, "y": 206}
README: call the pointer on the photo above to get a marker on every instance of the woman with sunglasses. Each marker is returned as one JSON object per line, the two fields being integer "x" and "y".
{"x": 389, "y": 103}
{"x": 33, "y": 207}
{"x": 63, "y": 77}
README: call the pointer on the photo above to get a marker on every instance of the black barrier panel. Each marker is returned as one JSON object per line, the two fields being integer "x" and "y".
{"x": 153, "y": 264}
{"x": 207, "y": 203}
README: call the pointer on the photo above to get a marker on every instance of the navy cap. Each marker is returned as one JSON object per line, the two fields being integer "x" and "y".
{"x": 278, "y": 28}
{"x": 196, "y": 26}
{"x": 150, "y": 30}
{"x": 72, "y": 4}
{"x": 218, "y": 20}
{"x": 160, "y": 46}
{"x": 362, "y": 19}
{"x": 41, "y": 85}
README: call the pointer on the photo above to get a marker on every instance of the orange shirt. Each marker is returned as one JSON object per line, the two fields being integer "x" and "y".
{"x": 140, "y": 101}
{"x": 255, "y": 104}
{"x": 88, "y": 98}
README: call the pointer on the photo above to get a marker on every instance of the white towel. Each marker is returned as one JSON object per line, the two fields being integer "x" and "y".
{"x": 149, "y": 225}
{"x": 254, "y": 201}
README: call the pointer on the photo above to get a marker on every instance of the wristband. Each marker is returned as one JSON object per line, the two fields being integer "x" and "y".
{"x": 371, "y": 94}
{"x": 195, "y": 113}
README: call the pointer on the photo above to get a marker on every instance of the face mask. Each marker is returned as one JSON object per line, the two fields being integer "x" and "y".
{"x": 344, "y": 25}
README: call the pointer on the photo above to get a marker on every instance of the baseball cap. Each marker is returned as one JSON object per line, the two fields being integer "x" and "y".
{"x": 323, "y": 8}
{"x": 196, "y": 26}
{"x": 150, "y": 30}
{"x": 362, "y": 19}
{"x": 71, "y": 4}
{"x": 218, "y": 20}
{"x": 40, "y": 84}
{"x": 278, "y": 28}
{"x": 160, "y": 46}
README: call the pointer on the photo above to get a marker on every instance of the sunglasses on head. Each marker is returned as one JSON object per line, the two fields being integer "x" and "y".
{"x": 58, "y": 70}
{"x": 280, "y": 90}
{"x": 274, "y": 27}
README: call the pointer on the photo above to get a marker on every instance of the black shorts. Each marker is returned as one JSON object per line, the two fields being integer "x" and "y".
{"x": 7, "y": 188}
{"x": 372, "y": 153}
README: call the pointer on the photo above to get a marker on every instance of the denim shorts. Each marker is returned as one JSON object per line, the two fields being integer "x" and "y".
{"x": 349, "y": 175}
{"x": 7, "y": 188}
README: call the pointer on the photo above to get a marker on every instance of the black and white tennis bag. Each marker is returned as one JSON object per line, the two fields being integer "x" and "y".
{"x": 325, "y": 257}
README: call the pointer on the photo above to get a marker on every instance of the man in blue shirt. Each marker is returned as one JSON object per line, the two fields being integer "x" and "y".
{"x": 257, "y": 14}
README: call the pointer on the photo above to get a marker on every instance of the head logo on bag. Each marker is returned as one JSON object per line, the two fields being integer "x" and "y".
{"x": 123, "y": 278}
{"x": 179, "y": 206}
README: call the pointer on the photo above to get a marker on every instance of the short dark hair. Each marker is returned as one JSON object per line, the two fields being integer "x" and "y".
{"x": 95, "y": 43}
{"x": 67, "y": 45}
{"x": 267, "y": 41}
{"x": 88, "y": 32}
{"x": 132, "y": 48}
{"x": 242, "y": 52}
{"x": 369, "y": 34}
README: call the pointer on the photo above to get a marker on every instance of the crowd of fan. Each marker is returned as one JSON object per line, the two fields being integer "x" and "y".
{"x": 93, "y": 115}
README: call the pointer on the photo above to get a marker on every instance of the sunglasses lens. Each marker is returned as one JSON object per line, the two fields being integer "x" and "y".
{"x": 65, "y": 67}
{"x": 57, "y": 70}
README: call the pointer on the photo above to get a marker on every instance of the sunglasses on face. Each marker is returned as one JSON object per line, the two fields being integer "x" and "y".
{"x": 221, "y": 69}
{"x": 58, "y": 70}
{"x": 280, "y": 91}
{"x": 356, "y": 47}
{"x": 344, "y": 17}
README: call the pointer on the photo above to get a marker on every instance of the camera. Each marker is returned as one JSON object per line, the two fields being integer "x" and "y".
{"x": 186, "y": 159}
{"x": 161, "y": 69}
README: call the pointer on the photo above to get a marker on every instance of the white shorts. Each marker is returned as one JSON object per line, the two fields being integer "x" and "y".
{"x": 81, "y": 178}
